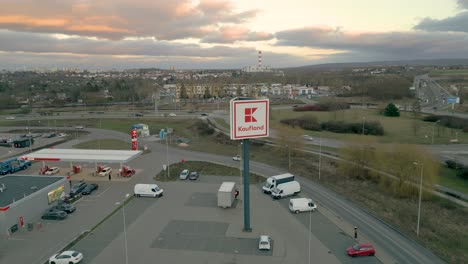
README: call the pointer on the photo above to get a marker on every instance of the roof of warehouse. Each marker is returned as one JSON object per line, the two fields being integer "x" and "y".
{"x": 18, "y": 186}
{"x": 83, "y": 155}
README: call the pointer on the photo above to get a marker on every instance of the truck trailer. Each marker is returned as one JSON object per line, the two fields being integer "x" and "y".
{"x": 226, "y": 194}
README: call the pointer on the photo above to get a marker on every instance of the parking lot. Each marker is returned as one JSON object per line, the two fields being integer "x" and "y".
{"x": 185, "y": 225}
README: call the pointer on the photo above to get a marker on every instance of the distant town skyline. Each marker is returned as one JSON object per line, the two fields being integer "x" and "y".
{"x": 210, "y": 34}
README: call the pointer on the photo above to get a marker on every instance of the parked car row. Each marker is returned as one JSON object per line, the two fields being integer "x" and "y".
{"x": 186, "y": 174}
{"x": 58, "y": 212}
{"x": 83, "y": 188}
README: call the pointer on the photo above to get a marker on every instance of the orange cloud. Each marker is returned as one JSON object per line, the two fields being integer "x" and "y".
{"x": 33, "y": 22}
{"x": 96, "y": 29}
{"x": 119, "y": 19}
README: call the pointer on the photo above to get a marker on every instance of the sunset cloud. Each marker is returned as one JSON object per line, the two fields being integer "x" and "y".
{"x": 211, "y": 33}
{"x": 231, "y": 34}
{"x": 385, "y": 45}
{"x": 117, "y": 19}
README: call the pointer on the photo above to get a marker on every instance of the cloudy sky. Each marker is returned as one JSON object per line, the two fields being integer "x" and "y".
{"x": 194, "y": 34}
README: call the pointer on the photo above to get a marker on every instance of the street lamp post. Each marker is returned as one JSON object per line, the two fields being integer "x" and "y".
{"x": 125, "y": 228}
{"x": 420, "y": 196}
{"x": 433, "y": 127}
{"x": 310, "y": 231}
{"x": 320, "y": 156}
{"x": 289, "y": 157}
{"x": 167, "y": 155}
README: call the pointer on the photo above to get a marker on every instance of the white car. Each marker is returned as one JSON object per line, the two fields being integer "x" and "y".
{"x": 264, "y": 243}
{"x": 79, "y": 127}
{"x": 236, "y": 158}
{"x": 52, "y": 171}
{"x": 307, "y": 137}
{"x": 10, "y": 118}
{"x": 172, "y": 114}
{"x": 105, "y": 172}
{"x": 61, "y": 135}
{"x": 66, "y": 257}
{"x": 184, "y": 174}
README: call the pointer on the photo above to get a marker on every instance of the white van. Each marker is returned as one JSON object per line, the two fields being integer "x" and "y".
{"x": 151, "y": 190}
{"x": 298, "y": 205}
{"x": 286, "y": 189}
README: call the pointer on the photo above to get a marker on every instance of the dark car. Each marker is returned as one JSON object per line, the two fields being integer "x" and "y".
{"x": 77, "y": 188}
{"x": 361, "y": 249}
{"x": 67, "y": 208}
{"x": 204, "y": 114}
{"x": 193, "y": 175}
{"x": 138, "y": 114}
{"x": 52, "y": 214}
{"x": 90, "y": 188}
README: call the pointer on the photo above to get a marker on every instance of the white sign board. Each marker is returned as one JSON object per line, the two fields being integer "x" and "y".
{"x": 249, "y": 118}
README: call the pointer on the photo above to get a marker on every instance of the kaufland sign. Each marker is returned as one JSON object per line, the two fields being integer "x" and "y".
{"x": 249, "y": 118}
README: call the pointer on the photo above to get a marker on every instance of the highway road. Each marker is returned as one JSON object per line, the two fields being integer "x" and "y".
{"x": 434, "y": 97}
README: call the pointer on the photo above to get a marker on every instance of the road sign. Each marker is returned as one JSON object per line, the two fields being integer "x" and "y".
{"x": 249, "y": 118}
{"x": 453, "y": 100}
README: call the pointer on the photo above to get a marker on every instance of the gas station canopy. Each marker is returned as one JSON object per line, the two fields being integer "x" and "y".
{"x": 83, "y": 155}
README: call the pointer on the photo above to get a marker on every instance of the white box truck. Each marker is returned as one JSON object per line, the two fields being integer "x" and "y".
{"x": 152, "y": 190}
{"x": 274, "y": 181}
{"x": 286, "y": 189}
{"x": 226, "y": 194}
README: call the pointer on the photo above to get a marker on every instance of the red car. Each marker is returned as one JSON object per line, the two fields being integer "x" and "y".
{"x": 361, "y": 250}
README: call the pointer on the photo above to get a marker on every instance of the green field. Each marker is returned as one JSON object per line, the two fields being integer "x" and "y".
{"x": 448, "y": 177}
{"x": 449, "y": 73}
{"x": 404, "y": 129}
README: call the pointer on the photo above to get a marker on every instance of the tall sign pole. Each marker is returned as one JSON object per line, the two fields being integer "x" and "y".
{"x": 249, "y": 119}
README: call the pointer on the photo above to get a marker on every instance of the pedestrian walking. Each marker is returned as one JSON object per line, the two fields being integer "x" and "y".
{"x": 355, "y": 232}
{"x": 110, "y": 176}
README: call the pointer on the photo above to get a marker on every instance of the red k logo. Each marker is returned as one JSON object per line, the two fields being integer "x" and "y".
{"x": 249, "y": 118}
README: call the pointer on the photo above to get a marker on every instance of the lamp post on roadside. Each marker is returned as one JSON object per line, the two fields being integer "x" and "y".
{"x": 289, "y": 157}
{"x": 310, "y": 231}
{"x": 433, "y": 127}
{"x": 125, "y": 226}
{"x": 420, "y": 196}
{"x": 320, "y": 156}
{"x": 167, "y": 154}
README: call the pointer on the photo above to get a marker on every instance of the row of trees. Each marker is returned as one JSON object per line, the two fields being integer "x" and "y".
{"x": 311, "y": 123}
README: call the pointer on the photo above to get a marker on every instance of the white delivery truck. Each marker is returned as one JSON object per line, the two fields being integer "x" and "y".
{"x": 152, "y": 190}
{"x": 274, "y": 181}
{"x": 298, "y": 205}
{"x": 226, "y": 194}
{"x": 286, "y": 189}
